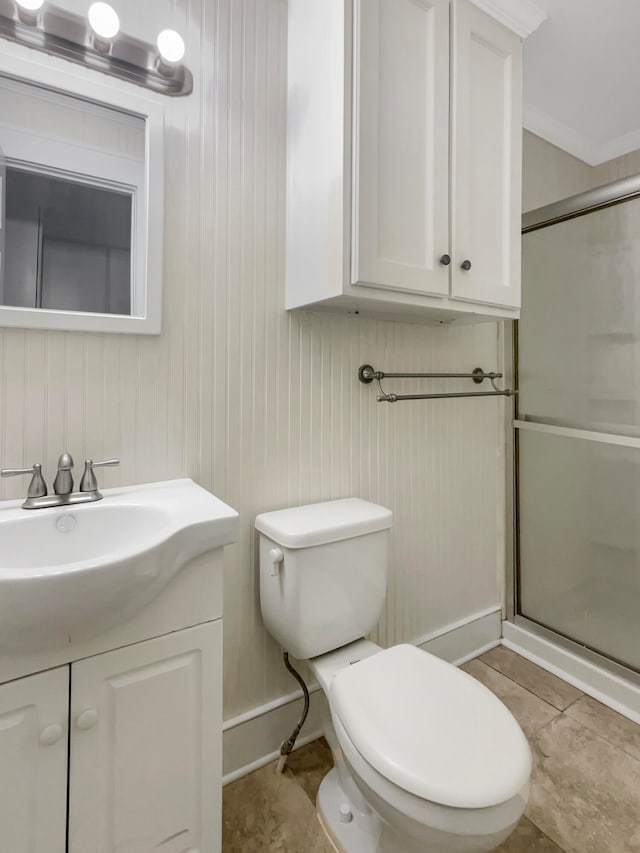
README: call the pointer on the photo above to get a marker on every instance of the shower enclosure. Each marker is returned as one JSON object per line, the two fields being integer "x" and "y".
{"x": 577, "y": 428}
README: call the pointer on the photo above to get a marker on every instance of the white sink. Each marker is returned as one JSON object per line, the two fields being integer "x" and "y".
{"x": 68, "y": 574}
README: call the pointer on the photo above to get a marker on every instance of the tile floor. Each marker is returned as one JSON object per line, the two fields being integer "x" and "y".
{"x": 585, "y": 788}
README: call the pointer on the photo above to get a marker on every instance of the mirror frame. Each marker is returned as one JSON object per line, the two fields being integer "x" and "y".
{"x": 28, "y": 67}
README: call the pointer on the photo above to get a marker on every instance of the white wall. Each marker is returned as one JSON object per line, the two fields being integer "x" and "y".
{"x": 261, "y": 406}
{"x": 550, "y": 174}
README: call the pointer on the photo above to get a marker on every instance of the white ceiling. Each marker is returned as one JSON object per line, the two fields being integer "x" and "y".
{"x": 582, "y": 77}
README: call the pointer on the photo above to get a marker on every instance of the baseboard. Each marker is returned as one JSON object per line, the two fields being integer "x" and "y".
{"x": 253, "y": 739}
{"x": 607, "y": 688}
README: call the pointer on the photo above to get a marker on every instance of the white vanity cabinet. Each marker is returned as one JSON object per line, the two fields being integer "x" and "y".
{"x": 111, "y": 672}
{"x": 404, "y": 159}
{"x": 34, "y": 714}
{"x": 142, "y": 727}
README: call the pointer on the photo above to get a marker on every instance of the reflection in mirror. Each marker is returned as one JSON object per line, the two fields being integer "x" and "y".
{"x": 68, "y": 245}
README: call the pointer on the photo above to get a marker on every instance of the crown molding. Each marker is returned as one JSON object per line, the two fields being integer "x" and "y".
{"x": 559, "y": 134}
{"x": 584, "y": 148}
{"x": 619, "y": 146}
{"x": 523, "y": 17}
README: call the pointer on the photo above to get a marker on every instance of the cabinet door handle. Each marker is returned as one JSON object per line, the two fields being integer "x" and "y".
{"x": 87, "y": 719}
{"x": 50, "y": 735}
{"x": 445, "y": 260}
{"x": 465, "y": 265}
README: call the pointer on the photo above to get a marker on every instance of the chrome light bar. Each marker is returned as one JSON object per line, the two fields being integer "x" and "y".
{"x": 72, "y": 37}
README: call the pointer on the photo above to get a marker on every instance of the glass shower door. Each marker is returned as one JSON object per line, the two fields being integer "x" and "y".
{"x": 578, "y": 431}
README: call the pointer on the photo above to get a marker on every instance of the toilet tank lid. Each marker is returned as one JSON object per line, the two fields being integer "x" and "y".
{"x": 322, "y": 523}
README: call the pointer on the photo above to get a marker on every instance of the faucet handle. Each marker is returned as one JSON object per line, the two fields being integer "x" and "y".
{"x": 89, "y": 482}
{"x": 37, "y": 486}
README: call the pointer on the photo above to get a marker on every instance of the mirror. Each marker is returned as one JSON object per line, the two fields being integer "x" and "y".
{"x": 81, "y": 210}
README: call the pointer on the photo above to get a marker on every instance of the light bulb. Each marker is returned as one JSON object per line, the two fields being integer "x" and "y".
{"x": 104, "y": 20}
{"x": 30, "y": 5}
{"x": 170, "y": 46}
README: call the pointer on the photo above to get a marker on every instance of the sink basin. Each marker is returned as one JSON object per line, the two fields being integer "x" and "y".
{"x": 70, "y": 573}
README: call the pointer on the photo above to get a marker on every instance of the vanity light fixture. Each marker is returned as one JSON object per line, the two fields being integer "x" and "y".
{"x": 100, "y": 45}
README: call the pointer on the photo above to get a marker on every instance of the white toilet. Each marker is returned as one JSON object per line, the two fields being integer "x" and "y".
{"x": 426, "y": 758}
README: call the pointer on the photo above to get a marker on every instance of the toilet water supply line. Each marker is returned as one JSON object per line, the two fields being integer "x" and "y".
{"x": 287, "y": 746}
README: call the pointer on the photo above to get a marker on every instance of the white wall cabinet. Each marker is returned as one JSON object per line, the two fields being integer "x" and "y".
{"x": 34, "y": 715}
{"x": 142, "y": 726}
{"x": 404, "y": 159}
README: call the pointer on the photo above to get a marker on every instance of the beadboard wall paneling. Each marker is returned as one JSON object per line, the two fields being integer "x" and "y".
{"x": 260, "y": 406}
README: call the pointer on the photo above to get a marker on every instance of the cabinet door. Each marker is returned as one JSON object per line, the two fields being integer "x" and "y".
{"x": 486, "y": 158}
{"x": 146, "y": 741}
{"x": 401, "y": 145}
{"x": 34, "y": 716}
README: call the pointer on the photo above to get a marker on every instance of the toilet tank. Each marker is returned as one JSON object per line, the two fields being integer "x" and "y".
{"x": 323, "y": 573}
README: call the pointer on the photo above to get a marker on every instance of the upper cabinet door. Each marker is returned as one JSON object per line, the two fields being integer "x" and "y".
{"x": 146, "y": 743}
{"x": 401, "y": 145}
{"x": 486, "y": 158}
{"x": 34, "y": 714}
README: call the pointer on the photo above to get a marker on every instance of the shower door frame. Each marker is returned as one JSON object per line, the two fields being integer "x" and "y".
{"x": 608, "y": 195}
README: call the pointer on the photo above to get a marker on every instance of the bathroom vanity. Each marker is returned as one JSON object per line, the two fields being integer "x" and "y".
{"x": 112, "y": 739}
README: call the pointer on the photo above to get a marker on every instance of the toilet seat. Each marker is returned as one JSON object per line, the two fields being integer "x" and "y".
{"x": 391, "y": 801}
{"x": 430, "y": 729}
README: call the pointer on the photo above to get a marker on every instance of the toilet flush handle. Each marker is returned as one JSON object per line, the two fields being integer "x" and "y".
{"x": 276, "y": 555}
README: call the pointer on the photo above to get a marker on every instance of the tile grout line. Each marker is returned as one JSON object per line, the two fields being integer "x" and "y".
{"x": 599, "y": 735}
{"x": 545, "y": 834}
{"x": 522, "y": 687}
{"x": 575, "y": 702}
{"x": 528, "y": 690}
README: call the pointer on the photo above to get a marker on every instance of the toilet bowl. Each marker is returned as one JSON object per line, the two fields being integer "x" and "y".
{"x": 427, "y": 759}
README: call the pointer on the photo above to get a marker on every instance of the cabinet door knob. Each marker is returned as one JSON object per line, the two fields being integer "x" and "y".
{"x": 87, "y": 719}
{"x": 465, "y": 265}
{"x": 50, "y": 735}
{"x": 445, "y": 260}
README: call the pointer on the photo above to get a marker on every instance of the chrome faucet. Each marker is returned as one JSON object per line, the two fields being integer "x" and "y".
{"x": 37, "y": 497}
